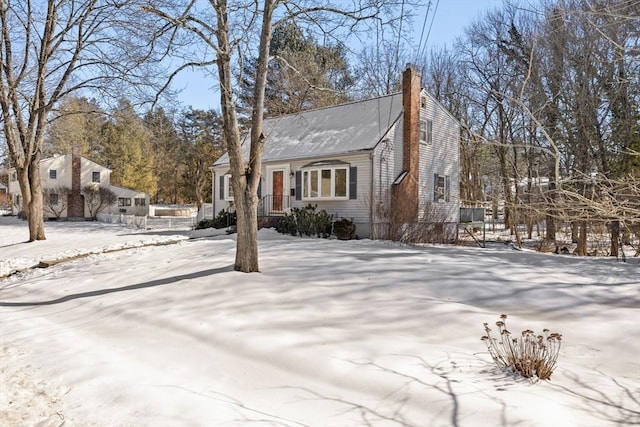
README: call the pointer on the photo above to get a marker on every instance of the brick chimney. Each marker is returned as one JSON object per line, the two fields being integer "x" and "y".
{"x": 405, "y": 192}
{"x": 75, "y": 206}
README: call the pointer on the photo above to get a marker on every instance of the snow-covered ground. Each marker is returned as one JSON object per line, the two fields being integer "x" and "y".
{"x": 330, "y": 333}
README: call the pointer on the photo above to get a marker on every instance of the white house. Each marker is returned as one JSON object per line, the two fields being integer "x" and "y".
{"x": 75, "y": 172}
{"x": 381, "y": 161}
{"x": 4, "y": 195}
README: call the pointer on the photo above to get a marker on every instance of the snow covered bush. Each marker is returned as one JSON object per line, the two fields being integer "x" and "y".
{"x": 306, "y": 222}
{"x": 531, "y": 355}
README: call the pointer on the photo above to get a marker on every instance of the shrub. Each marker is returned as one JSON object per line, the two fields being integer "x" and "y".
{"x": 222, "y": 220}
{"x": 530, "y": 355}
{"x": 344, "y": 229}
{"x": 287, "y": 225}
{"x": 306, "y": 222}
{"x": 323, "y": 224}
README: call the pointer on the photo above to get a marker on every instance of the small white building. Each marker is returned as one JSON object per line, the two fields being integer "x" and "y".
{"x": 74, "y": 172}
{"x": 366, "y": 161}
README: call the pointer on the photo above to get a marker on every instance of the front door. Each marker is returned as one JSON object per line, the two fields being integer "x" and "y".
{"x": 277, "y": 190}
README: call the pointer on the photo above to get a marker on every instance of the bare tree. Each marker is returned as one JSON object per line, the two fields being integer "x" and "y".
{"x": 51, "y": 50}
{"x": 56, "y": 199}
{"x": 556, "y": 93}
{"x": 98, "y": 199}
{"x": 227, "y": 27}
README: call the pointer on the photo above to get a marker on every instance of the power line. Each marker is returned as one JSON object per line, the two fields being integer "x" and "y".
{"x": 433, "y": 17}
{"x": 424, "y": 26}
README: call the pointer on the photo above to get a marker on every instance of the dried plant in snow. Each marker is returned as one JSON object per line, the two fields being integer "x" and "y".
{"x": 531, "y": 355}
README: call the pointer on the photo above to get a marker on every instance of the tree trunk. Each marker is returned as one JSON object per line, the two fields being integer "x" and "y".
{"x": 245, "y": 173}
{"x": 582, "y": 240}
{"x": 550, "y": 221}
{"x": 247, "y": 233}
{"x": 615, "y": 238}
{"x": 32, "y": 200}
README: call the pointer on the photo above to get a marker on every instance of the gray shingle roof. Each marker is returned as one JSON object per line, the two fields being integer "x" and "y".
{"x": 329, "y": 131}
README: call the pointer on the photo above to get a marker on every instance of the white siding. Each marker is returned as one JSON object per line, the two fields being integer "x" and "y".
{"x": 387, "y": 165}
{"x": 357, "y": 209}
{"x": 441, "y": 157}
{"x": 62, "y": 164}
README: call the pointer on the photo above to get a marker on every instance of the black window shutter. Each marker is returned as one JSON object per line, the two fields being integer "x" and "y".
{"x": 447, "y": 188}
{"x": 435, "y": 187}
{"x": 260, "y": 189}
{"x": 353, "y": 183}
{"x": 298, "y": 185}
{"x": 221, "y": 187}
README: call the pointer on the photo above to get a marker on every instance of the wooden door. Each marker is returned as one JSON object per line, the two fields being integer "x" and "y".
{"x": 277, "y": 190}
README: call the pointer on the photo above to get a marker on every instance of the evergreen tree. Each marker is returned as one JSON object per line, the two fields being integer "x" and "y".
{"x": 126, "y": 150}
{"x": 76, "y": 124}
{"x": 168, "y": 156}
{"x": 201, "y": 145}
{"x": 303, "y": 74}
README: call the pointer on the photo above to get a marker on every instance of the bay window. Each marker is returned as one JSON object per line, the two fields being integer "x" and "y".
{"x": 325, "y": 182}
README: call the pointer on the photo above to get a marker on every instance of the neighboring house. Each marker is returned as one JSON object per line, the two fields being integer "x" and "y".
{"x": 75, "y": 172}
{"x": 383, "y": 161}
{"x": 4, "y": 195}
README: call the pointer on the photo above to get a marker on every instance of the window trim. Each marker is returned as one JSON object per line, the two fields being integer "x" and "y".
{"x": 228, "y": 190}
{"x": 426, "y": 131}
{"x": 124, "y": 201}
{"x": 307, "y": 182}
{"x": 443, "y": 196}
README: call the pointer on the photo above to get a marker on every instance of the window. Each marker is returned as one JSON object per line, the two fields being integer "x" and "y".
{"x": 140, "y": 201}
{"x": 95, "y": 176}
{"x": 14, "y": 176}
{"x": 441, "y": 188}
{"x": 426, "y": 131}
{"x": 227, "y": 190}
{"x": 53, "y": 199}
{"x": 53, "y": 174}
{"x": 124, "y": 201}
{"x": 325, "y": 183}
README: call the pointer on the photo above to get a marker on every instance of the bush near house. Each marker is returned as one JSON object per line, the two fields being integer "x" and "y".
{"x": 306, "y": 222}
{"x": 344, "y": 229}
{"x": 222, "y": 220}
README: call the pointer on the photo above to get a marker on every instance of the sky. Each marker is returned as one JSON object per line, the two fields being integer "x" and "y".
{"x": 329, "y": 333}
{"x": 451, "y": 18}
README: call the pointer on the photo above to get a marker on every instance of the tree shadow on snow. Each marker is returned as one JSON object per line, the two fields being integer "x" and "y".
{"x": 99, "y": 292}
{"x": 617, "y": 404}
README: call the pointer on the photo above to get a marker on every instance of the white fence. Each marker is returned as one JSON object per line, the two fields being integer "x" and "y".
{"x": 128, "y": 220}
{"x": 149, "y": 223}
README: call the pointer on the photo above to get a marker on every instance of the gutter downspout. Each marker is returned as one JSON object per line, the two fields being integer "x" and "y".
{"x": 213, "y": 193}
{"x": 372, "y": 193}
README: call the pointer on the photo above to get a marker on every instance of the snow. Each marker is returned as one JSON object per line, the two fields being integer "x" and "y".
{"x": 132, "y": 331}
{"x": 333, "y": 130}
